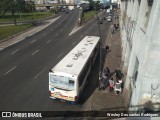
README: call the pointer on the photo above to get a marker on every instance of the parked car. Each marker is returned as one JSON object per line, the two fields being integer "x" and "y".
{"x": 109, "y": 18}
{"x": 109, "y": 14}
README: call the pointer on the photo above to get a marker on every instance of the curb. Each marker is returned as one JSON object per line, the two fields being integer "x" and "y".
{"x": 26, "y": 30}
{"x": 17, "y": 37}
{"x": 26, "y": 21}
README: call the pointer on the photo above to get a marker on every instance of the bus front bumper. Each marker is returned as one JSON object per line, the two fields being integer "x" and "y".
{"x": 64, "y": 100}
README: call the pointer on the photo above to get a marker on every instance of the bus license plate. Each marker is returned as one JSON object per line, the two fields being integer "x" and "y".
{"x": 57, "y": 93}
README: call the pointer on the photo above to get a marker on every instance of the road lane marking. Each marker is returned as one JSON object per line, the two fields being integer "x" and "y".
{"x": 73, "y": 43}
{"x": 15, "y": 51}
{"x": 40, "y": 73}
{"x": 48, "y": 41}
{"x": 75, "y": 30}
{"x": 33, "y": 41}
{"x": 35, "y": 52}
{"x": 10, "y": 70}
{"x": 60, "y": 55}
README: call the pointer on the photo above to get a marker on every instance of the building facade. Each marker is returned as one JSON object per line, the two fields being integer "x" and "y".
{"x": 70, "y": 1}
{"x": 140, "y": 35}
{"x": 45, "y": 1}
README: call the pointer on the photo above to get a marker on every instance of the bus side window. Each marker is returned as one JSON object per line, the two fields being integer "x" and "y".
{"x": 71, "y": 82}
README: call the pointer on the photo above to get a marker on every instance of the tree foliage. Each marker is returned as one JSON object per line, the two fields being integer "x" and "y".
{"x": 3, "y": 7}
{"x": 94, "y": 5}
{"x": 29, "y": 6}
{"x": 91, "y": 5}
{"x": 14, "y": 6}
{"x": 21, "y": 5}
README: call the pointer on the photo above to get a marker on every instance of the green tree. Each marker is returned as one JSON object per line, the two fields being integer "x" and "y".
{"x": 97, "y": 5}
{"x": 8, "y": 6}
{"x": 13, "y": 8}
{"x": 3, "y": 7}
{"x": 91, "y": 4}
{"x": 29, "y": 6}
{"x": 21, "y": 5}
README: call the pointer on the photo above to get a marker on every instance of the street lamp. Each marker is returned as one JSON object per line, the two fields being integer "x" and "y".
{"x": 100, "y": 49}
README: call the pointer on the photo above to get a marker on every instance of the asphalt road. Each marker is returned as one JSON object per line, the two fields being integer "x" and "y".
{"x": 24, "y": 67}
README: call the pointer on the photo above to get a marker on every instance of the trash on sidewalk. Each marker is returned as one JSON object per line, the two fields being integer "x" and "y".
{"x": 117, "y": 87}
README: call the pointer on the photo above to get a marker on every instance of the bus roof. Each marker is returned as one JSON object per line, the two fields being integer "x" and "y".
{"x": 75, "y": 60}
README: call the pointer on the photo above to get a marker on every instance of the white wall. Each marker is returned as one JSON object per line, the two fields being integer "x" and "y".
{"x": 145, "y": 50}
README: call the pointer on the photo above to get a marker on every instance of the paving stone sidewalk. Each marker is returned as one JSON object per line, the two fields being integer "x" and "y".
{"x": 103, "y": 99}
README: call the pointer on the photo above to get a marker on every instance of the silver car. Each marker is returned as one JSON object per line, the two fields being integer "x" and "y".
{"x": 109, "y": 18}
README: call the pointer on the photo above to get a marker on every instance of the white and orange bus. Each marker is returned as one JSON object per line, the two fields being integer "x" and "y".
{"x": 68, "y": 78}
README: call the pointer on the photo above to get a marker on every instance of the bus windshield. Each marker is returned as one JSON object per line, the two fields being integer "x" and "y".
{"x": 62, "y": 82}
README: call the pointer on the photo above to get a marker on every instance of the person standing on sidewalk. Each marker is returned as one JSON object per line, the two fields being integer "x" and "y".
{"x": 104, "y": 81}
{"x": 118, "y": 74}
{"x": 106, "y": 71}
{"x": 107, "y": 48}
{"x": 112, "y": 29}
{"x": 111, "y": 84}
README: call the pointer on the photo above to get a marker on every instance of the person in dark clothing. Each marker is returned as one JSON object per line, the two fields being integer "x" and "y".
{"x": 107, "y": 71}
{"x": 114, "y": 26}
{"x": 117, "y": 26}
{"x": 104, "y": 82}
{"x": 118, "y": 74}
{"x": 107, "y": 48}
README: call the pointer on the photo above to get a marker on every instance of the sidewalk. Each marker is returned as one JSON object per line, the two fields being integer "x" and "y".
{"x": 103, "y": 99}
